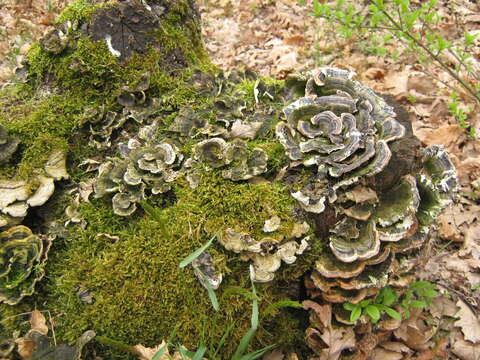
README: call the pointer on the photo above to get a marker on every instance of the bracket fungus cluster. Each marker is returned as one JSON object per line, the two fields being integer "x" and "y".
{"x": 343, "y": 132}
{"x": 268, "y": 253}
{"x": 23, "y": 256}
{"x": 243, "y": 163}
{"x": 145, "y": 164}
{"x": 317, "y": 172}
{"x": 17, "y": 196}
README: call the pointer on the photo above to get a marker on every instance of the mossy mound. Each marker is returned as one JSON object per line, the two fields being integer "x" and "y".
{"x": 139, "y": 292}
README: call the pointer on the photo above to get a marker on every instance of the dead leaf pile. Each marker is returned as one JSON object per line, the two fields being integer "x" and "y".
{"x": 265, "y": 36}
{"x": 21, "y": 22}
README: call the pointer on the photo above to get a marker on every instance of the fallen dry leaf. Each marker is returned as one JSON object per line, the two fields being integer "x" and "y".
{"x": 382, "y": 354}
{"x": 337, "y": 340}
{"x": 468, "y": 322}
{"x": 25, "y": 347}
{"x": 38, "y": 322}
{"x": 465, "y": 350}
{"x": 442, "y": 306}
{"x": 146, "y": 353}
{"x": 323, "y": 312}
{"x": 421, "y": 83}
{"x": 446, "y": 135}
{"x": 396, "y": 82}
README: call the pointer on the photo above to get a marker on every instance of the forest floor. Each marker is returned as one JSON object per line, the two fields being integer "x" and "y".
{"x": 275, "y": 38}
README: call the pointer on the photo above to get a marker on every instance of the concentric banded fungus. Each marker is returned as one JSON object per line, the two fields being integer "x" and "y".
{"x": 243, "y": 162}
{"x": 268, "y": 253}
{"x": 16, "y": 196}
{"x": 146, "y": 165}
{"x": 437, "y": 181}
{"x": 342, "y": 129}
{"x": 205, "y": 271}
{"x": 340, "y": 133}
{"x": 23, "y": 256}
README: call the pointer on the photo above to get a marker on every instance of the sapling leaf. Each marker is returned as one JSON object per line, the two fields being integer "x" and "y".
{"x": 428, "y": 293}
{"x": 420, "y": 284}
{"x": 373, "y": 312}
{"x": 356, "y": 312}
{"x": 196, "y": 253}
{"x": 348, "y": 306}
{"x": 418, "y": 304}
{"x": 389, "y": 297}
{"x": 364, "y": 303}
{"x": 393, "y": 313}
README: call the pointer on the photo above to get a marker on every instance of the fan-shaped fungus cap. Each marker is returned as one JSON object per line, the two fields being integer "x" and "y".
{"x": 205, "y": 271}
{"x": 23, "y": 256}
{"x": 344, "y": 135}
{"x": 211, "y": 151}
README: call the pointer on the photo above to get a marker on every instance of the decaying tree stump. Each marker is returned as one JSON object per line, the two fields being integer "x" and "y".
{"x": 315, "y": 178}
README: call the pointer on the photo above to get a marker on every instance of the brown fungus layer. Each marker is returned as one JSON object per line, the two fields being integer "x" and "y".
{"x": 366, "y": 182}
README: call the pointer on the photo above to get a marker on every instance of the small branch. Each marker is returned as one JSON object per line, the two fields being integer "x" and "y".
{"x": 429, "y": 52}
{"x": 453, "y": 53}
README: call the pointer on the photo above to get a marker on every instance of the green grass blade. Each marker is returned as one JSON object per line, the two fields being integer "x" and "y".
{"x": 256, "y": 354}
{"x": 243, "y": 344}
{"x": 254, "y": 308}
{"x": 281, "y": 304}
{"x": 156, "y": 214}
{"x": 160, "y": 352}
{"x": 196, "y": 253}
{"x": 237, "y": 290}
{"x": 185, "y": 354}
{"x": 210, "y": 291}
{"x": 200, "y": 352}
{"x": 212, "y": 296}
{"x": 223, "y": 339}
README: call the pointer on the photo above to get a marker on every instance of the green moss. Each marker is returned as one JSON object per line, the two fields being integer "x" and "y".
{"x": 220, "y": 204}
{"x": 81, "y": 11}
{"x": 140, "y": 292}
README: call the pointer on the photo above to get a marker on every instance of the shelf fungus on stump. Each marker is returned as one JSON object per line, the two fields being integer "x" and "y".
{"x": 17, "y": 196}
{"x": 144, "y": 165}
{"x": 371, "y": 198}
{"x": 23, "y": 256}
{"x": 241, "y": 162}
{"x": 267, "y": 253}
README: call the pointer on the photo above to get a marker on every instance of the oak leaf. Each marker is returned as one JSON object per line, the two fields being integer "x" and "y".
{"x": 468, "y": 322}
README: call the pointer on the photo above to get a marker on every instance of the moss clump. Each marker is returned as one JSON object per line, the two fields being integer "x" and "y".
{"x": 219, "y": 204}
{"x": 140, "y": 292}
